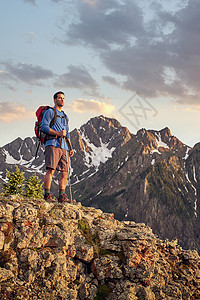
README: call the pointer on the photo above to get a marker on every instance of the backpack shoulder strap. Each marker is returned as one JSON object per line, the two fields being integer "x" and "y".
{"x": 53, "y": 121}
{"x": 65, "y": 116}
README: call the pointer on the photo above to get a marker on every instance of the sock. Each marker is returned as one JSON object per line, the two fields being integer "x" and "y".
{"x": 47, "y": 191}
{"x": 61, "y": 192}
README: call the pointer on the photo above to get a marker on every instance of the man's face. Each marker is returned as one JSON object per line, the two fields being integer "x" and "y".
{"x": 60, "y": 100}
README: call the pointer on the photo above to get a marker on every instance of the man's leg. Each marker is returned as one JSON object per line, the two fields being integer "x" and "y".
{"x": 47, "y": 183}
{"x": 50, "y": 162}
{"x": 63, "y": 180}
{"x": 48, "y": 178}
{"x": 62, "y": 186}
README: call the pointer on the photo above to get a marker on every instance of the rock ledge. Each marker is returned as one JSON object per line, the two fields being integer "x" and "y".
{"x": 64, "y": 251}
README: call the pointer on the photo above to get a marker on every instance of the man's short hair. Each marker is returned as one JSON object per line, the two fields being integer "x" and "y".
{"x": 56, "y": 94}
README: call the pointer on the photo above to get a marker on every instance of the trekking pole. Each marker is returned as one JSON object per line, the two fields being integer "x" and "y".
{"x": 68, "y": 170}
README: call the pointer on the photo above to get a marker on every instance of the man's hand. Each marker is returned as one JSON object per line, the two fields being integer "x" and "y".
{"x": 62, "y": 133}
{"x": 71, "y": 153}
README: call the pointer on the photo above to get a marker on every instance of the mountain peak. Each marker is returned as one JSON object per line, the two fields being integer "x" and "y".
{"x": 165, "y": 131}
{"x": 102, "y": 121}
{"x": 105, "y": 130}
{"x": 161, "y": 140}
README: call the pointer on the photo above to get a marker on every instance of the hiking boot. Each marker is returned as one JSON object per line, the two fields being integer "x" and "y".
{"x": 63, "y": 198}
{"x": 49, "y": 198}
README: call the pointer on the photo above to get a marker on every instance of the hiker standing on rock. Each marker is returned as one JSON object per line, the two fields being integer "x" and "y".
{"x": 58, "y": 147}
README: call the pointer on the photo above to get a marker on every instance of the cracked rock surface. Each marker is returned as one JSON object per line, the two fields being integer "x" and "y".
{"x": 65, "y": 251}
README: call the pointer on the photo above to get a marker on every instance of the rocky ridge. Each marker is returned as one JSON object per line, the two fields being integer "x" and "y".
{"x": 65, "y": 251}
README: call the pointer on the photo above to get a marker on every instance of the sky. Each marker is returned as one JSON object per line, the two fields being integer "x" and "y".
{"x": 135, "y": 61}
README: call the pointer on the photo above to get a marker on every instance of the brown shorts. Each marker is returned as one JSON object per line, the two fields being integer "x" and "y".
{"x": 55, "y": 158}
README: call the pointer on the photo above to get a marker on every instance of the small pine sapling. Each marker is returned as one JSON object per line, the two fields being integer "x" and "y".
{"x": 33, "y": 187}
{"x": 14, "y": 183}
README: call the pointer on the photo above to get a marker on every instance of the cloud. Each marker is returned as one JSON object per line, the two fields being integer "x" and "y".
{"x": 92, "y": 106}
{"x": 34, "y": 1}
{"x": 145, "y": 62}
{"x": 140, "y": 40}
{"x": 192, "y": 109}
{"x": 186, "y": 108}
{"x": 10, "y": 112}
{"x": 29, "y": 37}
{"x": 26, "y": 73}
{"x": 102, "y": 23}
{"x": 4, "y": 76}
{"x": 78, "y": 78}
{"x": 111, "y": 80}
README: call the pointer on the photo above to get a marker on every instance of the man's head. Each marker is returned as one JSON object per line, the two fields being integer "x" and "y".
{"x": 59, "y": 99}
{"x": 57, "y": 94}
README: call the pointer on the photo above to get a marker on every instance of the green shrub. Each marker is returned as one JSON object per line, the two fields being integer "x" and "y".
{"x": 15, "y": 185}
{"x": 15, "y": 182}
{"x": 33, "y": 187}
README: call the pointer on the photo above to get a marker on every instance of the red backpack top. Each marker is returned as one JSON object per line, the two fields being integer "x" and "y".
{"x": 39, "y": 114}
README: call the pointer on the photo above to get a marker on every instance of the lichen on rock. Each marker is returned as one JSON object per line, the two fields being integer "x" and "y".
{"x": 65, "y": 251}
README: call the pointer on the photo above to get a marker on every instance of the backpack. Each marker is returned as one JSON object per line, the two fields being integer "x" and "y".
{"x": 42, "y": 137}
{"x": 39, "y": 114}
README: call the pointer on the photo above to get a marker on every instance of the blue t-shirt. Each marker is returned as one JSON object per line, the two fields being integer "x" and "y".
{"x": 60, "y": 124}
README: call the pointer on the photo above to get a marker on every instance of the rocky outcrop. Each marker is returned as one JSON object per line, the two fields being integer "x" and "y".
{"x": 65, "y": 251}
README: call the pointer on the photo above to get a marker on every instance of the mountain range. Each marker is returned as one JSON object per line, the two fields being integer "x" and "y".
{"x": 149, "y": 177}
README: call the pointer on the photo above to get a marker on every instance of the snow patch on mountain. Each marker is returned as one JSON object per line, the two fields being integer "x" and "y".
{"x": 2, "y": 178}
{"x": 187, "y": 153}
{"x": 98, "y": 155}
{"x": 30, "y": 167}
{"x": 160, "y": 142}
{"x": 195, "y": 193}
{"x": 194, "y": 174}
{"x": 11, "y": 160}
{"x": 38, "y": 169}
